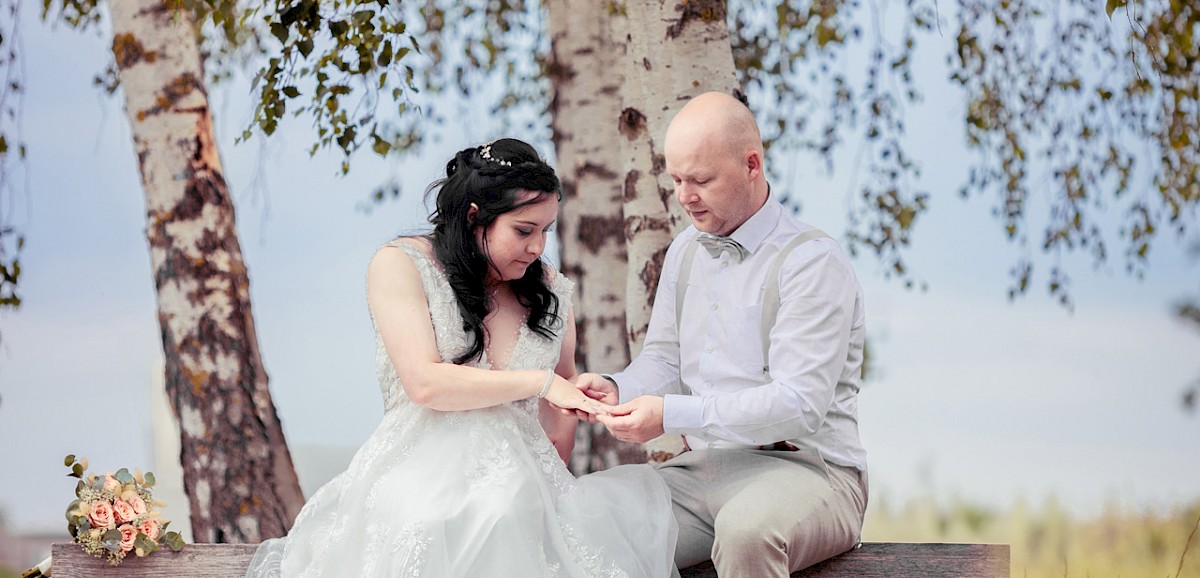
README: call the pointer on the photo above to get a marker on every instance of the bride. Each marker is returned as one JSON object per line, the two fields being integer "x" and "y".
{"x": 465, "y": 475}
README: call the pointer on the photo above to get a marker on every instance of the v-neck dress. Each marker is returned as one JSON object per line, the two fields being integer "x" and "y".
{"x": 474, "y": 493}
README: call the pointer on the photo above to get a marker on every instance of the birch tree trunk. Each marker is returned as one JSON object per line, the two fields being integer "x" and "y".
{"x": 237, "y": 470}
{"x": 676, "y": 51}
{"x": 620, "y": 72}
{"x": 585, "y": 101}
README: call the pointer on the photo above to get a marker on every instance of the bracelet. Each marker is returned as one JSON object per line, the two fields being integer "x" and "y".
{"x": 546, "y": 386}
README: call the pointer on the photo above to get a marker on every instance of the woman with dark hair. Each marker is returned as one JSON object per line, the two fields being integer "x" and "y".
{"x": 465, "y": 476}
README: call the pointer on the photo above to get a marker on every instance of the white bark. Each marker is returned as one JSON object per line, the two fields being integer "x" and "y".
{"x": 676, "y": 50}
{"x": 620, "y": 71}
{"x": 237, "y": 470}
{"x": 590, "y": 227}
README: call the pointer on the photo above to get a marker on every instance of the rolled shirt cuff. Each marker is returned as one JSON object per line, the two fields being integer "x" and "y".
{"x": 682, "y": 414}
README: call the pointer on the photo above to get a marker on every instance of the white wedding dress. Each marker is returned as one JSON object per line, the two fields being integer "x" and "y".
{"x": 474, "y": 493}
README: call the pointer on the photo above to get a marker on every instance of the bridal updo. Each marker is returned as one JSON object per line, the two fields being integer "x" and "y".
{"x": 491, "y": 176}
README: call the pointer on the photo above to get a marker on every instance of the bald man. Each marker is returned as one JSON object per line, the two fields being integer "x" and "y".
{"x": 754, "y": 354}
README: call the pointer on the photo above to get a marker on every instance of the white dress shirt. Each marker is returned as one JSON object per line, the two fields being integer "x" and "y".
{"x": 816, "y": 350}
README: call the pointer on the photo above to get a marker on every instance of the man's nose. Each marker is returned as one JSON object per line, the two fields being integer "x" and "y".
{"x": 684, "y": 194}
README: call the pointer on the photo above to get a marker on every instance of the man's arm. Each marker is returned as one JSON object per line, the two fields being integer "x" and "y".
{"x": 810, "y": 341}
{"x": 655, "y": 371}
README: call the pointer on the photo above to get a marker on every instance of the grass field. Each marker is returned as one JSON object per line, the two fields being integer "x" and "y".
{"x": 1047, "y": 542}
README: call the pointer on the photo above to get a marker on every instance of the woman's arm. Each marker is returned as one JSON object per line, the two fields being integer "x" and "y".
{"x": 560, "y": 427}
{"x": 401, "y": 312}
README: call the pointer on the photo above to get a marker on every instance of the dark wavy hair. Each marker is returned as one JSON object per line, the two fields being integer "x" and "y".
{"x": 491, "y": 176}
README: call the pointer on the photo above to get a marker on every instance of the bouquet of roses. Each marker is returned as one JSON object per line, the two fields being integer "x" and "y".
{"x": 114, "y": 514}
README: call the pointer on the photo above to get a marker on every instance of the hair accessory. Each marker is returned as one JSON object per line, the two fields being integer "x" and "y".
{"x": 486, "y": 153}
{"x": 546, "y": 386}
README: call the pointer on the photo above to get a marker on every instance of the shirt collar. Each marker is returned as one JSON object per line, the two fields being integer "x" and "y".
{"x": 755, "y": 230}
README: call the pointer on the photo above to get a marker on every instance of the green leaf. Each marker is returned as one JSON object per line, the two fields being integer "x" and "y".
{"x": 144, "y": 545}
{"x": 111, "y": 540}
{"x": 291, "y": 91}
{"x": 173, "y": 540}
{"x": 76, "y": 471}
{"x": 124, "y": 476}
{"x": 70, "y": 459}
{"x": 279, "y": 31}
{"x": 381, "y": 147}
{"x": 1113, "y": 5}
{"x": 150, "y": 480}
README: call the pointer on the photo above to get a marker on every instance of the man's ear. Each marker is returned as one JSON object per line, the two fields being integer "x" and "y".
{"x": 754, "y": 164}
{"x": 471, "y": 212}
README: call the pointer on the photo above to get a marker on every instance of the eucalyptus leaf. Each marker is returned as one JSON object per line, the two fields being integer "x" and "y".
{"x": 70, "y": 459}
{"x": 144, "y": 544}
{"x": 124, "y": 476}
{"x": 71, "y": 507}
{"x": 111, "y": 540}
{"x": 173, "y": 540}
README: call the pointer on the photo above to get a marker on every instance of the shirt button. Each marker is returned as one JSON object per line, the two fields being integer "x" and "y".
{"x": 714, "y": 306}
{"x": 724, "y": 264}
{"x": 708, "y": 349}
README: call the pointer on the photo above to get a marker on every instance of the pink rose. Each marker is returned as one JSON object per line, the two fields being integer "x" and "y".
{"x": 123, "y": 511}
{"x": 101, "y": 515}
{"x": 150, "y": 528}
{"x": 110, "y": 483}
{"x": 128, "y": 537}
{"x": 139, "y": 505}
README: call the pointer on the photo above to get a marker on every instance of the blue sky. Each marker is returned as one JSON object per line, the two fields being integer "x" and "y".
{"x": 972, "y": 396}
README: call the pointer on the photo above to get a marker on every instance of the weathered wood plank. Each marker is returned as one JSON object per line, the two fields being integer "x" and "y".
{"x": 872, "y": 560}
{"x": 901, "y": 560}
{"x": 193, "y": 561}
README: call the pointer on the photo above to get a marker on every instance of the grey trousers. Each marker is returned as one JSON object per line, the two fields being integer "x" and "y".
{"x": 761, "y": 513}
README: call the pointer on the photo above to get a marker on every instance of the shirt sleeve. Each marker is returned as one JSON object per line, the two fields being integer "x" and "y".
{"x": 655, "y": 371}
{"x": 809, "y": 345}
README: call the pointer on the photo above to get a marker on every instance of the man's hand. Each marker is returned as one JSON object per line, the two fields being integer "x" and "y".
{"x": 596, "y": 387}
{"x": 638, "y": 421}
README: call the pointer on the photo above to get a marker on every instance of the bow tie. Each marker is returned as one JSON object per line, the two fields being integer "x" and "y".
{"x": 716, "y": 245}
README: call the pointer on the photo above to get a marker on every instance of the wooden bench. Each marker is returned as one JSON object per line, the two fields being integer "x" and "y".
{"x": 878, "y": 559}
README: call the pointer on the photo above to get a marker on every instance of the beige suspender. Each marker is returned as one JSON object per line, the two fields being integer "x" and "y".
{"x": 770, "y": 305}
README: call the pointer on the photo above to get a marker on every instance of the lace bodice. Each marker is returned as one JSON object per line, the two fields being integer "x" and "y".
{"x": 531, "y": 351}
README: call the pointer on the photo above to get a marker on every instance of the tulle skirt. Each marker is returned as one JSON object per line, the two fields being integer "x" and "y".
{"x": 475, "y": 493}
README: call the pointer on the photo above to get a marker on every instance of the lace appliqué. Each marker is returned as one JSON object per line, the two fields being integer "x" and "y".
{"x": 591, "y": 560}
{"x": 493, "y": 461}
{"x": 411, "y": 545}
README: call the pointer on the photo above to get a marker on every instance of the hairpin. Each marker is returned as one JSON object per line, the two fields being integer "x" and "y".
{"x": 486, "y": 153}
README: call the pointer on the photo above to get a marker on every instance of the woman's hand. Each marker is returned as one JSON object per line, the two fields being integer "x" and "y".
{"x": 565, "y": 395}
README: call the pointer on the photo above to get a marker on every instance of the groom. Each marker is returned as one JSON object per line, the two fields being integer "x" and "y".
{"x": 754, "y": 354}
